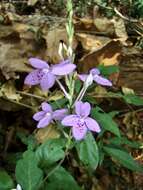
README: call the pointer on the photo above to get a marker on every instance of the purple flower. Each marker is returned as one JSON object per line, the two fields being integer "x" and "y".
{"x": 45, "y": 75}
{"x": 95, "y": 75}
{"x": 47, "y": 115}
{"x": 80, "y": 122}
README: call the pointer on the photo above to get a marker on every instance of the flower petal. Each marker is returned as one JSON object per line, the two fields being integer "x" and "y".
{"x": 39, "y": 115}
{"x": 82, "y": 109}
{"x": 63, "y": 68}
{"x": 47, "y": 81}
{"x": 38, "y": 63}
{"x": 92, "y": 125}
{"x": 83, "y": 77}
{"x": 32, "y": 78}
{"x": 70, "y": 120}
{"x": 101, "y": 80}
{"x": 95, "y": 71}
{"x": 44, "y": 122}
{"x": 79, "y": 132}
{"x": 46, "y": 107}
{"x": 60, "y": 114}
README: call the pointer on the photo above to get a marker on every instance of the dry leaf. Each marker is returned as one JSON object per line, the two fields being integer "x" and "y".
{"x": 126, "y": 90}
{"x": 91, "y": 42}
{"x": 104, "y": 25}
{"x": 107, "y": 55}
{"x": 53, "y": 38}
{"x": 120, "y": 29}
{"x": 9, "y": 91}
{"x": 32, "y": 2}
{"x": 49, "y": 132}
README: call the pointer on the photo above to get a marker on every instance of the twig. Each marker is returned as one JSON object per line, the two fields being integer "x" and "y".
{"x": 18, "y": 103}
{"x": 31, "y": 95}
{"x": 125, "y": 18}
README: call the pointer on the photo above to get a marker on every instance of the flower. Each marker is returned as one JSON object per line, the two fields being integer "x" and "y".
{"x": 81, "y": 122}
{"x": 47, "y": 115}
{"x": 18, "y": 187}
{"x": 45, "y": 75}
{"x": 95, "y": 75}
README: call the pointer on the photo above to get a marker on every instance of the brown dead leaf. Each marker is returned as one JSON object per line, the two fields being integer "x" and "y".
{"x": 107, "y": 55}
{"x": 91, "y": 42}
{"x": 49, "y": 132}
{"x": 87, "y": 22}
{"x": 32, "y": 2}
{"x": 109, "y": 60}
{"x": 120, "y": 29}
{"x": 132, "y": 124}
{"x": 53, "y": 38}
{"x": 8, "y": 90}
{"x": 104, "y": 25}
{"x": 16, "y": 46}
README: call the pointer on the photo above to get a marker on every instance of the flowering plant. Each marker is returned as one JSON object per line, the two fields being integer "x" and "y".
{"x": 80, "y": 122}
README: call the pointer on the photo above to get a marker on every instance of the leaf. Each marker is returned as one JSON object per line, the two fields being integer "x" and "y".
{"x": 50, "y": 152}
{"x": 28, "y": 175}
{"x": 32, "y": 2}
{"x": 106, "y": 121}
{"x": 61, "y": 180}
{"x": 124, "y": 158}
{"x": 127, "y": 91}
{"x": 88, "y": 152}
{"x": 133, "y": 99}
{"x": 108, "y": 70}
{"x": 49, "y": 132}
{"x": 124, "y": 140}
{"x": 5, "y": 181}
{"x": 8, "y": 90}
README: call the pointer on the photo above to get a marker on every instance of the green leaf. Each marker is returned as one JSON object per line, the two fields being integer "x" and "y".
{"x": 124, "y": 140}
{"x": 78, "y": 86}
{"x": 50, "y": 152}
{"x": 28, "y": 175}
{"x": 6, "y": 182}
{"x": 106, "y": 121}
{"x": 108, "y": 70}
{"x": 88, "y": 152}
{"x": 124, "y": 158}
{"x": 61, "y": 180}
{"x": 133, "y": 99}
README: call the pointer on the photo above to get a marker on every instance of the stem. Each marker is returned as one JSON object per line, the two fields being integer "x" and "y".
{"x": 19, "y": 103}
{"x": 31, "y": 95}
{"x": 81, "y": 94}
{"x": 63, "y": 89}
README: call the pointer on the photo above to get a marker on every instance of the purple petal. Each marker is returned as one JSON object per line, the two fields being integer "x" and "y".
{"x": 46, "y": 107}
{"x": 60, "y": 114}
{"x": 101, "y": 80}
{"x": 79, "y": 132}
{"x": 38, "y": 63}
{"x": 44, "y": 122}
{"x": 83, "y": 77}
{"x": 95, "y": 71}
{"x": 70, "y": 120}
{"x": 82, "y": 109}
{"x": 92, "y": 125}
{"x": 39, "y": 115}
{"x": 63, "y": 68}
{"x": 47, "y": 81}
{"x": 32, "y": 78}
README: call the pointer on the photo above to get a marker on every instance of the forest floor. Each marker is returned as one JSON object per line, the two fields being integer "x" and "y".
{"x": 35, "y": 28}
